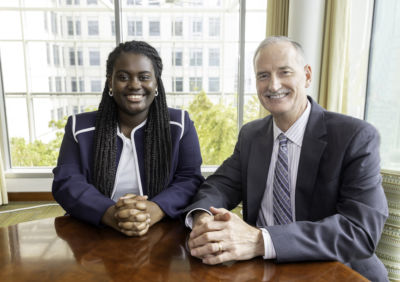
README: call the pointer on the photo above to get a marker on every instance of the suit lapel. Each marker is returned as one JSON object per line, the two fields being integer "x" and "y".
{"x": 257, "y": 171}
{"x": 311, "y": 152}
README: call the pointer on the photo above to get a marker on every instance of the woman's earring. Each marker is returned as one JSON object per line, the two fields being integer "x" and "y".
{"x": 110, "y": 92}
{"x": 156, "y": 93}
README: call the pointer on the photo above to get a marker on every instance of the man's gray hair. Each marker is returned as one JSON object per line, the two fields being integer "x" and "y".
{"x": 276, "y": 39}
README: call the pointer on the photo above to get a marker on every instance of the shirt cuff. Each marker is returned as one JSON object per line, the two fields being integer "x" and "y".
{"x": 268, "y": 245}
{"x": 189, "y": 217}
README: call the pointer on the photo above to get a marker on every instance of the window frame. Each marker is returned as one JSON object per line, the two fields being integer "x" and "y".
{"x": 39, "y": 179}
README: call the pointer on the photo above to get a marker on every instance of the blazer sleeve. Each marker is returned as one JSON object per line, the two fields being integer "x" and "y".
{"x": 71, "y": 187}
{"x": 354, "y": 230}
{"x": 187, "y": 176}
{"x": 224, "y": 187}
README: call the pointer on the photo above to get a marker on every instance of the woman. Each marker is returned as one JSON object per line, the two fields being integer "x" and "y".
{"x": 133, "y": 145}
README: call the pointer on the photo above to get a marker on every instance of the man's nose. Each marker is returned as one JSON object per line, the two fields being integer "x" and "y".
{"x": 274, "y": 84}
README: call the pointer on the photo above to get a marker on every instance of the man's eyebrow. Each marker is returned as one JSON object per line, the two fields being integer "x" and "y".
{"x": 285, "y": 68}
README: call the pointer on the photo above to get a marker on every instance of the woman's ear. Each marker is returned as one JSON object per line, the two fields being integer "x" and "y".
{"x": 109, "y": 82}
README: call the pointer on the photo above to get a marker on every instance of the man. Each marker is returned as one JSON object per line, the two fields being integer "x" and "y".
{"x": 309, "y": 179}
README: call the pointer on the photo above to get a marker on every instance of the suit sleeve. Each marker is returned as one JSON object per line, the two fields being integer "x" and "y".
{"x": 224, "y": 187}
{"x": 354, "y": 230}
{"x": 71, "y": 188}
{"x": 187, "y": 176}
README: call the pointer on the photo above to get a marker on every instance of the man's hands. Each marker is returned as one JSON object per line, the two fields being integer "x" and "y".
{"x": 133, "y": 215}
{"x": 223, "y": 236}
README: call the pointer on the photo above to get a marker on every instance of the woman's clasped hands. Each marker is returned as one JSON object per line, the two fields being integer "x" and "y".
{"x": 135, "y": 214}
{"x": 132, "y": 216}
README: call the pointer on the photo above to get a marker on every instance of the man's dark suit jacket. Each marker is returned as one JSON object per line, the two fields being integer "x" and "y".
{"x": 340, "y": 204}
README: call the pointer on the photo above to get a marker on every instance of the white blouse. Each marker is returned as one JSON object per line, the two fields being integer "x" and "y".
{"x": 127, "y": 179}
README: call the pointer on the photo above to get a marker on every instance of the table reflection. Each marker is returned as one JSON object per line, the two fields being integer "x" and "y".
{"x": 65, "y": 249}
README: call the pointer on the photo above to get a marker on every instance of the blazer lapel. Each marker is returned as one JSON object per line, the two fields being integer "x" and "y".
{"x": 257, "y": 171}
{"x": 311, "y": 152}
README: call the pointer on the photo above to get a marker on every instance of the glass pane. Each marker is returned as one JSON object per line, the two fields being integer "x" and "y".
{"x": 383, "y": 102}
{"x": 61, "y": 53}
{"x": 200, "y": 61}
{"x": 255, "y": 33}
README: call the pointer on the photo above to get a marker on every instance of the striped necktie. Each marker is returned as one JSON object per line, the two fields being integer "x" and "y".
{"x": 282, "y": 204}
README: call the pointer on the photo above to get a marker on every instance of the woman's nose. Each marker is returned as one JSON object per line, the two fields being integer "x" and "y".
{"x": 134, "y": 83}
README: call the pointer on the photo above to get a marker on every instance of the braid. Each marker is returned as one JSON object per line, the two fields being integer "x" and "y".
{"x": 157, "y": 136}
{"x": 157, "y": 140}
{"x": 105, "y": 145}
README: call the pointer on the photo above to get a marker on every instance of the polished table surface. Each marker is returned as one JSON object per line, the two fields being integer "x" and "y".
{"x": 65, "y": 249}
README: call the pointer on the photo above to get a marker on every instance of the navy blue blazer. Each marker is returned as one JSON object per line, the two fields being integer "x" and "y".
{"x": 340, "y": 204}
{"x": 72, "y": 187}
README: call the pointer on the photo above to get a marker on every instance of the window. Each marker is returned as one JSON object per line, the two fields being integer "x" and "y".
{"x": 93, "y": 27}
{"x": 213, "y": 57}
{"x": 94, "y": 58}
{"x": 134, "y": 2}
{"x": 177, "y": 58}
{"x": 213, "y": 84}
{"x": 56, "y": 55}
{"x": 383, "y": 88}
{"x": 81, "y": 84}
{"x": 48, "y": 54}
{"x": 185, "y": 52}
{"x": 50, "y": 84}
{"x": 80, "y": 57}
{"x": 213, "y": 27}
{"x": 74, "y": 85}
{"x": 70, "y": 27}
{"x": 177, "y": 84}
{"x": 46, "y": 27}
{"x": 71, "y": 57}
{"x": 75, "y": 110}
{"x": 77, "y": 27}
{"x": 112, "y": 27}
{"x": 177, "y": 27}
{"x": 195, "y": 83}
{"x": 58, "y": 84}
{"x": 196, "y": 57}
{"x": 154, "y": 27}
{"x": 197, "y": 26}
{"x": 154, "y": 2}
{"x": 60, "y": 113}
{"x": 135, "y": 28}
{"x": 53, "y": 23}
{"x": 95, "y": 85}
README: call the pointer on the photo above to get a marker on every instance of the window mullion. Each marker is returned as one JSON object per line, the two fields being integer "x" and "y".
{"x": 242, "y": 26}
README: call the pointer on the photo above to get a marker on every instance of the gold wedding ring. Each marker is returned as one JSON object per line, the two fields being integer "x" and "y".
{"x": 220, "y": 247}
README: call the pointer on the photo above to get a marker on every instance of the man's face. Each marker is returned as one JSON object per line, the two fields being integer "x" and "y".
{"x": 281, "y": 80}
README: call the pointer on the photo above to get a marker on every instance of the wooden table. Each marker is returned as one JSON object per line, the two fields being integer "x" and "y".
{"x": 65, "y": 249}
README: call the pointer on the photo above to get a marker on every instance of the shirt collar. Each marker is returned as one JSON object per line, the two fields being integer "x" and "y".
{"x": 296, "y": 132}
{"x": 120, "y": 134}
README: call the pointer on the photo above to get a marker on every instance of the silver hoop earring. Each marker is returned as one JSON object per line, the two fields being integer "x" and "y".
{"x": 110, "y": 92}
{"x": 156, "y": 93}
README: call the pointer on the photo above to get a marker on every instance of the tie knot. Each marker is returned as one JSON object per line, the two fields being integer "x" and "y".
{"x": 282, "y": 139}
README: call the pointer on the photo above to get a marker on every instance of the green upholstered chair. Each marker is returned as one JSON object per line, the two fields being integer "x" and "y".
{"x": 388, "y": 249}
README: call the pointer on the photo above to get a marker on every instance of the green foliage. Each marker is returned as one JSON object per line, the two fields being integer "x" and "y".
{"x": 216, "y": 127}
{"x": 36, "y": 153}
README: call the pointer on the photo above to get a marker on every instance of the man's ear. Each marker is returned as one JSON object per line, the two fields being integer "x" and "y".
{"x": 308, "y": 73}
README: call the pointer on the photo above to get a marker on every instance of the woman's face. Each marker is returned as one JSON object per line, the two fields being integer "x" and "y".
{"x": 133, "y": 83}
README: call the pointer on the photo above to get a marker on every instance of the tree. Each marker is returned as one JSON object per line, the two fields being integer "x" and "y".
{"x": 216, "y": 127}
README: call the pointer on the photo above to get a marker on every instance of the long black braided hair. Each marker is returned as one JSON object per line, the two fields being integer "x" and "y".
{"x": 157, "y": 136}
